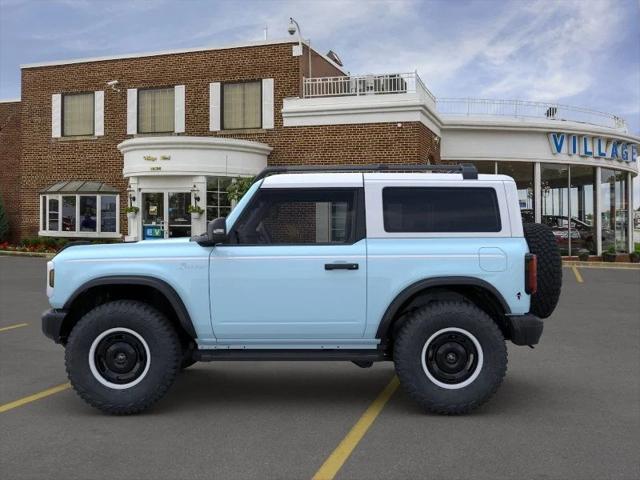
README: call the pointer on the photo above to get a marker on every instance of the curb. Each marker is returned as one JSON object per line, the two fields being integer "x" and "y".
{"x": 604, "y": 265}
{"x": 12, "y": 253}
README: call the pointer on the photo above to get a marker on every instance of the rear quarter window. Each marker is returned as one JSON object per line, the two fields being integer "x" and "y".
{"x": 440, "y": 209}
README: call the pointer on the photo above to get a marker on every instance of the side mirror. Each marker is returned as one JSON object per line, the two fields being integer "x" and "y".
{"x": 217, "y": 230}
{"x": 216, "y": 233}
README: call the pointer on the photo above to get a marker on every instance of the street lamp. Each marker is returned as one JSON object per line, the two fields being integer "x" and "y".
{"x": 293, "y": 28}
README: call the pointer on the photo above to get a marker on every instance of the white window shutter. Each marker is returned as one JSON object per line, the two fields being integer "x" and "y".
{"x": 56, "y": 115}
{"x": 214, "y": 107}
{"x": 178, "y": 96}
{"x": 98, "y": 113}
{"x": 267, "y": 103}
{"x": 132, "y": 111}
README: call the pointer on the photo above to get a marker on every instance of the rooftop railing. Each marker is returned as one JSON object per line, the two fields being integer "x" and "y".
{"x": 398, "y": 83}
{"x": 526, "y": 109}
{"x": 357, "y": 85}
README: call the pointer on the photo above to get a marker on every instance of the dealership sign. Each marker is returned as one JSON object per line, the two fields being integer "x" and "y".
{"x": 589, "y": 146}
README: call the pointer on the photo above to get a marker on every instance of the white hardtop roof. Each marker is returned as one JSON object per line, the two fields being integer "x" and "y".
{"x": 349, "y": 179}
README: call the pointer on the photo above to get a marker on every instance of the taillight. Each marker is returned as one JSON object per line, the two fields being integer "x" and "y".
{"x": 530, "y": 273}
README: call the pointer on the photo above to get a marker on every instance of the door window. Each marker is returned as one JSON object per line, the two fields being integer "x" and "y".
{"x": 301, "y": 217}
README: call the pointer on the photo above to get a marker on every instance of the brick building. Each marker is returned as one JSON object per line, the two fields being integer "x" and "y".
{"x": 74, "y": 115}
{"x": 165, "y": 130}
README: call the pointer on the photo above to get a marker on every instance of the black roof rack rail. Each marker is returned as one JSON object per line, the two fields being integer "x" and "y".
{"x": 468, "y": 171}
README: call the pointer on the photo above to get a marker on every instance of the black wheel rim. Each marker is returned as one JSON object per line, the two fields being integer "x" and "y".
{"x": 451, "y": 357}
{"x": 120, "y": 358}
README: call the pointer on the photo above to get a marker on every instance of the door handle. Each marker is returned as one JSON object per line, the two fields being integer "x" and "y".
{"x": 341, "y": 266}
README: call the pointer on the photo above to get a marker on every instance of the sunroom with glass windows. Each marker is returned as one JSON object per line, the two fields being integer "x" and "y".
{"x": 79, "y": 208}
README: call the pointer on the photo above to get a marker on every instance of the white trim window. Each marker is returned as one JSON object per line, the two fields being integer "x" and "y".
{"x": 77, "y": 114}
{"x": 218, "y": 203}
{"x": 65, "y": 213}
{"x": 241, "y": 105}
{"x": 156, "y": 110}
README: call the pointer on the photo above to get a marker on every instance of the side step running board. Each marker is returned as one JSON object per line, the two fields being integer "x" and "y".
{"x": 289, "y": 355}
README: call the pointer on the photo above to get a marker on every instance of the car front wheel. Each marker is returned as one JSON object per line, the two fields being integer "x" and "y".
{"x": 122, "y": 356}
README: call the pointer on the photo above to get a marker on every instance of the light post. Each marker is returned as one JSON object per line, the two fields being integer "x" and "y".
{"x": 293, "y": 28}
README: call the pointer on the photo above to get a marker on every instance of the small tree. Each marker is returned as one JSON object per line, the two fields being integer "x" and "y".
{"x": 4, "y": 223}
{"x": 237, "y": 188}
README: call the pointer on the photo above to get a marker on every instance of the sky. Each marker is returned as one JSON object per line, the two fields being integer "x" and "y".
{"x": 582, "y": 52}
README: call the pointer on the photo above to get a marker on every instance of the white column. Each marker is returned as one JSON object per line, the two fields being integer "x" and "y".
{"x": 598, "y": 211}
{"x": 133, "y": 223}
{"x": 199, "y": 226}
{"x": 537, "y": 187}
{"x": 630, "y": 211}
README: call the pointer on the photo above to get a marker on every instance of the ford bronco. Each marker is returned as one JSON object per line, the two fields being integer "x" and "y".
{"x": 428, "y": 266}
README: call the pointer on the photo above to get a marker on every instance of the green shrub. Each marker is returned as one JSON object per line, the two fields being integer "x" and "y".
{"x": 238, "y": 188}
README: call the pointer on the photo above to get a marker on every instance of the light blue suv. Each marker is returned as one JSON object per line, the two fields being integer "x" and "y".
{"x": 426, "y": 266}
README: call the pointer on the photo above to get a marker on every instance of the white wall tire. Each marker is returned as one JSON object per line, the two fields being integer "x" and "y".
{"x": 477, "y": 365}
{"x": 130, "y": 327}
{"x": 462, "y": 389}
{"x": 94, "y": 369}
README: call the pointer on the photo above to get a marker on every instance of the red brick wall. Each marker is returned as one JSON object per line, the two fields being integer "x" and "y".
{"x": 46, "y": 160}
{"x": 10, "y": 163}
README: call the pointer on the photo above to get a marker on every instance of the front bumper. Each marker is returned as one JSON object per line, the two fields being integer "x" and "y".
{"x": 525, "y": 329}
{"x": 52, "y": 322}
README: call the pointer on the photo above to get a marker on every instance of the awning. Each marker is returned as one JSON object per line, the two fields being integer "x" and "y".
{"x": 80, "y": 186}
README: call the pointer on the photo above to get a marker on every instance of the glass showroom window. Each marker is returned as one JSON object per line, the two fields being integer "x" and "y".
{"x": 156, "y": 110}
{"x": 77, "y": 114}
{"x": 522, "y": 173}
{"x": 241, "y": 105}
{"x": 555, "y": 203}
{"x": 615, "y": 210}
{"x": 582, "y": 206}
{"x": 79, "y": 215}
{"x": 218, "y": 203}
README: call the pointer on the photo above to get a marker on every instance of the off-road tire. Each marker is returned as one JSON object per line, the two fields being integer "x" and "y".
{"x": 165, "y": 355}
{"x": 411, "y": 341}
{"x": 543, "y": 244}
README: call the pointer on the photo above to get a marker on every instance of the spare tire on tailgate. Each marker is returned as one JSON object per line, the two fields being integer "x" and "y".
{"x": 543, "y": 244}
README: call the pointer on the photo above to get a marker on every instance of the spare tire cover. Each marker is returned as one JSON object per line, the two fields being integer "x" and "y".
{"x": 543, "y": 244}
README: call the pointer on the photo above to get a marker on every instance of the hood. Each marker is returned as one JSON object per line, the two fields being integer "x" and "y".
{"x": 175, "y": 247}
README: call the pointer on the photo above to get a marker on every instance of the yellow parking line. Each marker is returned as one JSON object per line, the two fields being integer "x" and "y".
{"x": 334, "y": 463}
{"x": 577, "y": 274}
{"x": 32, "y": 398}
{"x": 11, "y": 327}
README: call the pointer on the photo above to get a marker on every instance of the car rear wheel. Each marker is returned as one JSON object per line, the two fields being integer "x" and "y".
{"x": 450, "y": 357}
{"x": 122, "y": 356}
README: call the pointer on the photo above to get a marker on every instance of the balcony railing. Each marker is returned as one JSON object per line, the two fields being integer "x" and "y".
{"x": 365, "y": 85}
{"x": 398, "y": 83}
{"x": 525, "y": 109}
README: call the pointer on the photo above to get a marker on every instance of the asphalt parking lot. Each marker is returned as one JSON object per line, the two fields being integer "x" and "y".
{"x": 570, "y": 409}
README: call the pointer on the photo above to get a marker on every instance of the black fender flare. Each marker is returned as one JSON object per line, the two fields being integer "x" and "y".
{"x": 417, "y": 287}
{"x": 163, "y": 287}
